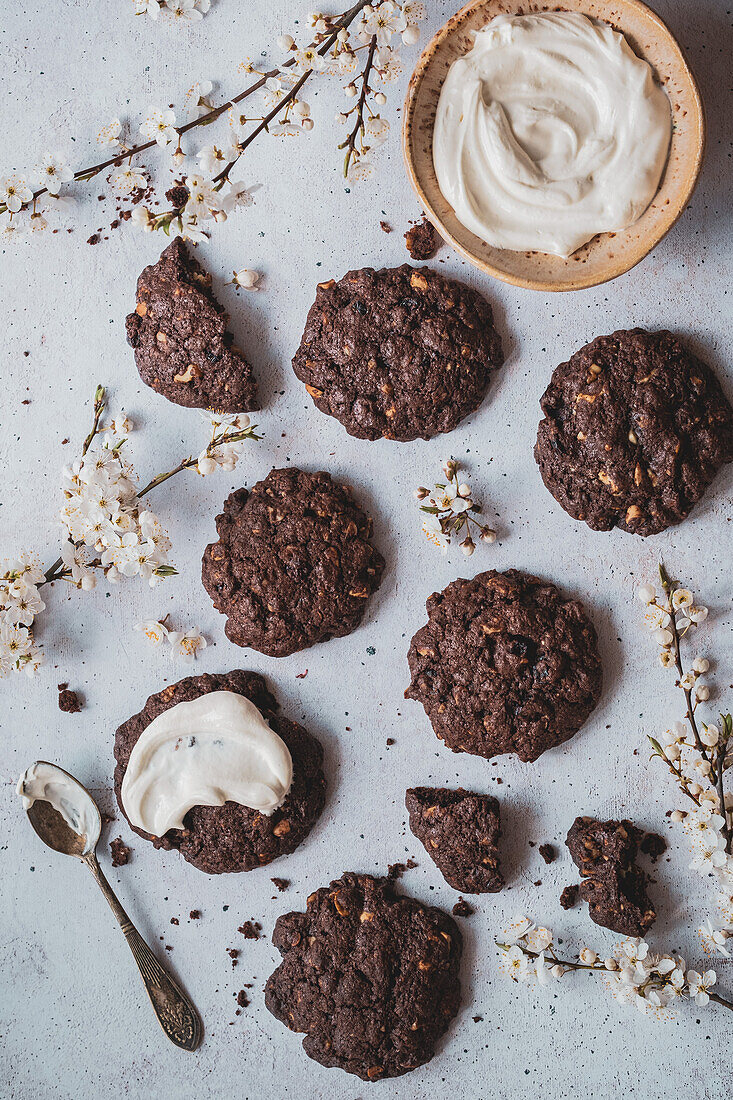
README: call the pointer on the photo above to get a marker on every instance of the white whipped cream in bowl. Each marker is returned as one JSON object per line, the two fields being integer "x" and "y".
{"x": 550, "y": 130}
{"x": 214, "y": 749}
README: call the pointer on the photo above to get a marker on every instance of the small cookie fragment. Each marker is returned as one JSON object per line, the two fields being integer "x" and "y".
{"x": 569, "y": 896}
{"x": 179, "y": 333}
{"x": 293, "y": 565}
{"x": 120, "y": 852}
{"x": 505, "y": 663}
{"x": 370, "y": 976}
{"x": 69, "y": 701}
{"x": 635, "y": 429}
{"x": 462, "y": 909}
{"x": 614, "y": 887}
{"x": 422, "y": 241}
{"x": 460, "y": 832}
{"x": 402, "y": 353}
{"x": 547, "y": 852}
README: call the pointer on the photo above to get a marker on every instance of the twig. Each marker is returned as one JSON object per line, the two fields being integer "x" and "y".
{"x": 350, "y": 143}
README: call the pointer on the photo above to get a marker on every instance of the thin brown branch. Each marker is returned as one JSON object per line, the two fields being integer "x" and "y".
{"x": 350, "y": 143}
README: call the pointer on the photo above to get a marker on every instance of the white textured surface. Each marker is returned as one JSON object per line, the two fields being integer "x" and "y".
{"x": 74, "y": 1018}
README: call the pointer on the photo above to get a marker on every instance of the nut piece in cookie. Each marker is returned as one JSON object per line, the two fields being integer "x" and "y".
{"x": 505, "y": 663}
{"x": 402, "y": 353}
{"x": 460, "y": 832}
{"x": 635, "y": 429}
{"x": 369, "y": 975}
{"x": 179, "y": 333}
{"x": 614, "y": 887}
{"x": 233, "y": 837}
{"x": 293, "y": 565}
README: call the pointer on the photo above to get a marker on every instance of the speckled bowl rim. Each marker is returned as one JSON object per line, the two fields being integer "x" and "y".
{"x": 659, "y": 228}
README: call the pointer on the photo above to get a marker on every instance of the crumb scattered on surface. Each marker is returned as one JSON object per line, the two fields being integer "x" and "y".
{"x": 250, "y": 929}
{"x": 462, "y": 908}
{"x": 175, "y": 920}
{"x": 69, "y": 702}
{"x": 385, "y": 227}
{"x": 281, "y": 883}
{"x": 301, "y": 675}
{"x": 548, "y": 853}
{"x": 195, "y": 914}
{"x": 120, "y": 852}
{"x": 477, "y": 1019}
{"x": 569, "y": 896}
{"x": 94, "y": 239}
{"x": 242, "y": 999}
{"x": 390, "y": 741}
{"x": 397, "y": 870}
{"x": 653, "y": 845}
{"x": 233, "y": 953}
{"x": 422, "y": 241}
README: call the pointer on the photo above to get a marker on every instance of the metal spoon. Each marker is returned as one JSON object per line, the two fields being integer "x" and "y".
{"x": 177, "y": 1016}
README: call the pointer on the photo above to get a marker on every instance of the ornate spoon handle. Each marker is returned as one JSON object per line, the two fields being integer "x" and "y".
{"x": 177, "y": 1016}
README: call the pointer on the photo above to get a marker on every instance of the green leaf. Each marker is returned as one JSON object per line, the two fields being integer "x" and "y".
{"x": 166, "y": 571}
{"x": 663, "y": 575}
{"x": 427, "y": 508}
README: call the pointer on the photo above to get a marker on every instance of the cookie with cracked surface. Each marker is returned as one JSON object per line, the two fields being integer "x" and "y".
{"x": 369, "y": 975}
{"x": 460, "y": 832}
{"x": 635, "y": 429}
{"x": 402, "y": 353}
{"x": 293, "y": 565}
{"x": 179, "y": 333}
{"x": 231, "y": 837}
{"x": 614, "y": 887}
{"x": 505, "y": 663}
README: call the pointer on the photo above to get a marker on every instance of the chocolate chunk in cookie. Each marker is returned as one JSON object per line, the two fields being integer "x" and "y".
{"x": 614, "y": 887}
{"x": 401, "y": 353}
{"x": 179, "y": 333}
{"x": 234, "y": 837}
{"x": 635, "y": 429}
{"x": 460, "y": 832}
{"x": 293, "y": 565}
{"x": 505, "y": 663}
{"x": 369, "y": 975}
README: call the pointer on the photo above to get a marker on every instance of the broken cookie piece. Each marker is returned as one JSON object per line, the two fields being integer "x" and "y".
{"x": 179, "y": 332}
{"x": 460, "y": 832}
{"x": 614, "y": 887}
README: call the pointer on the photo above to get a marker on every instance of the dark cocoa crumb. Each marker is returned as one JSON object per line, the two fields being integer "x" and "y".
{"x": 653, "y": 845}
{"x": 422, "y": 241}
{"x": 62, "y": 687}
{"x": 538, "y": 882}
{"x": 168, "y": 947}
{"x": 242, "y": 999}
{"x": 301, "y": 675}
{"x": 281, "y": 883}
{"x": 478, "y": 1019}
{"x": 397, "y": 870}
{"x": 64, "y": 442}
{"x": 94, "y": 239}
{"x": 250, "y": 930}
{"x": 385, "y": 227}
{"x": 569, "y": 896}
{"x": 114, "y": 224}
{"x": 175, "y": 920}
{"x": 195, "y": 914}
{"x": 462, "y": 908}
{"x": 69, "y": 702}
{"x": 27, "y": 401}
{"x": 120, "y": 852}
{"x": 548, "y": 853}
{"x": 177, "y": 196}
{"x": 125, "y": 215}
{"x": 390, "y": 740}
{"x": 233, "y": 954}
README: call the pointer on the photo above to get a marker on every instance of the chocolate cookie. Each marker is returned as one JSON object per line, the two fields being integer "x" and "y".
{"x": 635, "y": 429}
{"x": 401, "y": 353}
{"x": 460, "y": 832}
{"x": 369, "y": 975}
{"x": 179, "y": 333}
{"x": 614, "y": 887}
{"x": 233, "y": 837}
{"x": 293, "y": 564}
{"x": 505, "y": 663}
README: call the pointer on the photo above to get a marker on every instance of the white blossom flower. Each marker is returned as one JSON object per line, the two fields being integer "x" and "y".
{"x": 53, "y": 171}
{"x": 237, "y": 195}
{"x": 700, "y": 984}
{"x": 377, "y": 130}
{"x": 434, "y": 533}
{"x": 285, "y": 129}
{"x": 538, "y": 938}
{"x": 516, "y": 964}
{"x": 517, "y": 928}
{"x": 109, "y": 135}
{"x": 657, "y": 618}
{"x": 711, "y": 855}
{"x": 147, "y": 7}
{"x": 647, "y": 594}
{"x": 702, "y": 692}
{"x": 195, "y": 103}
{"x": 186, "y": 644}
{"x": 382, "y": 21}
{"x": 160, "y": 125}
{"x": 184, "y": 10}
{"x": 285, "y": 42}
{"x": 14, "y": 193}
{"x": 203, "y": 198}
{"x": 701, "y": 665}
{"x": 128, "y": 178}
{"x": 388, "y": 65}
{"x": 682, "y": 597}
{"x": 308, "y": 59}
{"x": 666, "y": 658}
{"x": 212, "y": 158}
{"x": 709, "y": 735}
{"x": 697, "y": 614}
{"x": 413, "y": 11}
{"x": 663, "y": 637}
{"x": 246, "y": 279}
{"x": 588, "y": 956}
{"x": 155, "y": 632}
{"x": 411, "y": 35}
{"x": 715, "y": 939}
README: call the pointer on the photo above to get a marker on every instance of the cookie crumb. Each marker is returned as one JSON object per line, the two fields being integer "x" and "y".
{"x": 94, "y": 239}
{"x": 462, "y": 908}
{"x": 242, "y": 999}
{"x": 397, "y": 870}
{"x": 195, "y": 914}
{"x": 250, "y": 929}
{"x": 233, "y": 953}
{"x": 385, "y": 227}
{"x": 422, "y": 241}
{"x": 653, "y": 845}
{"x": 569, "y": 896}
{"x": 548, "y": 853}
{"x": 281, "y": 883}
{"x": 69, "y": 702}
{"x": 175, "y": 920}
{"x": 120, "y": 852}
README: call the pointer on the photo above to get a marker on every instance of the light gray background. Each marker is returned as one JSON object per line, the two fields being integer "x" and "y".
{"x": 75, "y": 1022}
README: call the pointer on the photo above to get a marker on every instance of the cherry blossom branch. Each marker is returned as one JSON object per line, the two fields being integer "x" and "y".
{"x": 667, "y": 586}
{"x": 350, "y": 143}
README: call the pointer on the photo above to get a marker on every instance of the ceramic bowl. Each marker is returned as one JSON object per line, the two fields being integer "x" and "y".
{"x": 607, "y": 254}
